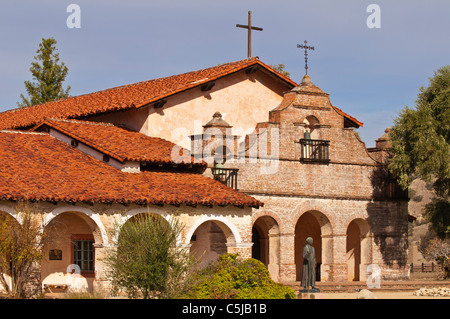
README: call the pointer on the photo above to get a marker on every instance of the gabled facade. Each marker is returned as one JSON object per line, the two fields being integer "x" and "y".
{"x": 317, "y": 179}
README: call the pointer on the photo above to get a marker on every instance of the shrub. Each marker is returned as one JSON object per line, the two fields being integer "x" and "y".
{"x": 146, "y": 261}
{"x": 233, "y": 278}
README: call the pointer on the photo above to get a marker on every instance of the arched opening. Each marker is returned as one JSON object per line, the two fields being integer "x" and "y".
{"x": 353, "y": 249}
{"x": 259, "y": 244}
{"x": 210, "y": 239}
{"x": 357, "y": 248}
{"x": 6, "y": 223}
{"x": 316, "y": 225}
{"x": 71, "y": 251}
{"x": 266, "y": 244}
{"x": 311, "y": 122}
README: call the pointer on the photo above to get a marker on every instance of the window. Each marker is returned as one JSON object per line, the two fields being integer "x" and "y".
{"x": 74, "y": 143}
{"x": 83, "y": 254}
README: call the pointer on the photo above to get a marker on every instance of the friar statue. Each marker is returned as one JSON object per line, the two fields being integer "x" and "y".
{"x": 309, "y": 265}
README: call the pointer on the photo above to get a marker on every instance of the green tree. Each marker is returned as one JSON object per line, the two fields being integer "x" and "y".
{"x": 421, "y": 147}
{"x": 146, "y": 261}
{"x": 49, "y": 75}
{"x": 21, "y": 250}
{"x": 281, "y": 69}
{"x": 230, "y": 277}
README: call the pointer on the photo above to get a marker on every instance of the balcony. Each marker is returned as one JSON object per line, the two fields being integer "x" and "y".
{"x": 227, "y": 176}
{"x": 315, "y": 151}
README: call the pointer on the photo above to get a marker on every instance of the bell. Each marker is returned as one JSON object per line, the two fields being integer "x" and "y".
{"x": 219, "y": 168}
{"x": 307, "y": 135}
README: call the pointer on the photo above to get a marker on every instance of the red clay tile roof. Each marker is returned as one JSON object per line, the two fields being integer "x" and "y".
{"x": 120, "y": 143}
{"x": 125, "y": 97}
{"x": 36, "y": 166}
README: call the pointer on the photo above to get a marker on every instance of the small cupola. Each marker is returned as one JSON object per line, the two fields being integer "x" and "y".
{"x": 216, "y": 141}
{"x": 217, "y": 122}
{"x": 384, "y": 141}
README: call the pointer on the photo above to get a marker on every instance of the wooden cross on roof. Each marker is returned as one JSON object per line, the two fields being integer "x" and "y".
{"x": 306, "y": 47}
{"x": 249, "y": 27}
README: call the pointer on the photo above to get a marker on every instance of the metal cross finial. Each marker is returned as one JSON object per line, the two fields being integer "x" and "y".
{"x": 249, "y": 27}
{"x": 306, "y": 47}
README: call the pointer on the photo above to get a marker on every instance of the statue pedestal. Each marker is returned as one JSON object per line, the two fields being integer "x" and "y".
{"x": 313, "y": 293}
{"x": 312, "y": 290}
{"x": 309, "y": 295}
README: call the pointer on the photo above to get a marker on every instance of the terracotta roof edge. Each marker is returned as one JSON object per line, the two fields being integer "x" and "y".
{"x": 349, "y": 117}
{"x": 22, "y": 132}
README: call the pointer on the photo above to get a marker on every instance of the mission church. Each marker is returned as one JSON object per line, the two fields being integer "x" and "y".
{"x": 248, "y": 160}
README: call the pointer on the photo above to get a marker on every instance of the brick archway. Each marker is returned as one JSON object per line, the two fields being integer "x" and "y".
{"x": 316, "y": 225}
{"x": 77, "y": 246}
{"x": 266, "y": 244}
{"x": 90, "y": 217}
{"x": 358, "y": 249}
{"x": 8, "y": 210}
{"x": 211, "y": 237}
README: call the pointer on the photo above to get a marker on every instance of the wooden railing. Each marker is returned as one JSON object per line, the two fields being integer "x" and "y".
{"x": 430, "y": 267}
{"x": 227, "y": 176}
{"x": 315, "y": 150}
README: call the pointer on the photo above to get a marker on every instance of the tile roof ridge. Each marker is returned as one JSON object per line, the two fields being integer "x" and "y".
{"x": 80, "y": 122}
{"x": 176, "y": 75}
{"x": 189, "y": 72}
{"x": 104, "y": 124}
{"x": 23, "y": 132}
{"x": 191, "y": 84}
{"x": 88, "y": 141}
{"x": 132, "y": 84}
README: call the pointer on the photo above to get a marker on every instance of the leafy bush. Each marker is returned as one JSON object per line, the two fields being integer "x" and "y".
{"x": 233, "y": 278}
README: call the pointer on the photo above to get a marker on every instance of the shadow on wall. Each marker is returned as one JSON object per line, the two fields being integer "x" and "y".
{"x": 388, "y": 218}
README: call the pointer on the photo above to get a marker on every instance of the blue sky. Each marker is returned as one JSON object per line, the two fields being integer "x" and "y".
{"x": 370, "y": 73}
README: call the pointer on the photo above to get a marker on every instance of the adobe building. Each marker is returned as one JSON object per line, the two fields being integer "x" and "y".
{"x": 249, "y": 160}
{"x": 84, "y": 178}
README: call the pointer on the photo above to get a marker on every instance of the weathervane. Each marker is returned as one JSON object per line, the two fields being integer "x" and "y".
{"x": 249, "y": 27}
{"x": 306, "y": 47}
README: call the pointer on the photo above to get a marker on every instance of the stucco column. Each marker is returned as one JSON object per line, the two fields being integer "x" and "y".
{"x": 337, "y": 270}
{"x": 243, "y": 249}
{"x": 287, "y": 259}
{"x": 274, "y": 256}
{"x": 101, "y": 282}
{"x": 366, "y": 256}
{"x": 327, "y": 258}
